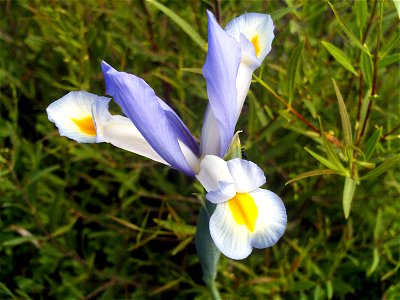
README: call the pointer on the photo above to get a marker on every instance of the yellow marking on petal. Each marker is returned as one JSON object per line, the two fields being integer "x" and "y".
{"x": 86, "y": 125}
{"x": 256, "y": 45}
{"x": 244, "y": 210}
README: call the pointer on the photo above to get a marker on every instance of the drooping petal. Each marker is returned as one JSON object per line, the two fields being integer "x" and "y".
{"x": 121, "y": 132}
{"x": 72, "y": 114}
{"x": 246, "y": 175}
{"x": 210, "y": 142}
{"x": 220, "y": 71}
{"x": 258, "y": 29}
{"x": 139, "y": 102}
{"x": 84, "y": 117}
{"x": 271, "y": 221}
{"x": 256, "y": 219}
{"x": 215, "y": 177}
{"x": 231, "y": 238}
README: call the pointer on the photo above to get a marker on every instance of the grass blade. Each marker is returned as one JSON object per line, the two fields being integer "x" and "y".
{"x": 185, "y": 26}
{"x": 313, "y": 173}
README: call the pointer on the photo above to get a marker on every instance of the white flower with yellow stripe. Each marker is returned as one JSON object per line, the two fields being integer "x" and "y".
{"x": 245, "y": 216}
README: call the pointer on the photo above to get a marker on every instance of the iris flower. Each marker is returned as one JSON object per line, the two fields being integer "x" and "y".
{"x": 245, "y": 215}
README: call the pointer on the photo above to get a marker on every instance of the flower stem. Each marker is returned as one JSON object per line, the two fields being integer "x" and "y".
{"x": 212, "y": 287}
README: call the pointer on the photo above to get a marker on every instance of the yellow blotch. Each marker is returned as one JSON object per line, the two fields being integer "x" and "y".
{"x": 244, "y": 210}
{"x": 86, "y": 125}
{"x": 256, "y": 44}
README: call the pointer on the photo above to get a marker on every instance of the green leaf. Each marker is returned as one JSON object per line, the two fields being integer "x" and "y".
{"x": 344, "y": 116}
{"x": 313, "y": 173}
{"x": 185, "y": 26}
{"x": 327, "y": 163}
{"x": 371, "y": 143}
{"x": 389, "y": 60}
{"x": 340, "y": 57}
{"x": 347, "y": 31}
{"x": 382, "y": 168}
{"x": 397, "y": 5}
{"x": 367, "y": 68}
{"x": 293, "y": 68}
{"x": 330, "y": 152}
{"x": 389, "y": 45}
{"x": 360, "y": 8}
{"x": 375, "y": 262}
{"x": 206, "y": 250}
{"x": 348, "y": 194}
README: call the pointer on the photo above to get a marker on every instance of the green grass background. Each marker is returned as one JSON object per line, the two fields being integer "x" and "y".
{"x": 82, "y": 221}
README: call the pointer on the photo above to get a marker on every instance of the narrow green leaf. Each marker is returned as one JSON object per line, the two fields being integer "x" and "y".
{"x": 382, "y": 168}
{"x": 340, "y": 57}
{"x": 375, "y": 262}
{"x": 367, "y": 68}
{"x": 389, "y": 60}
{"x": 330, "y": 152}
{"x": 397, "y": 5}
{"x": 5, "y": 290}
{"x": 360, "y": 8}
{"x": 371, "y": 143}
{"x": 293, "y": 68}
{"x": 348, "y": 194}
{"x": 388, "y": 46}
{"x": 185, "y": 26}
{"x": 378, "y": 225}
{"x": 192, "y": 70}
{"x": 41, "y": 173}
{"x": 347, "y": 31}
{"x": 313, "y": 173}
{"x": 344, "y": 116}
{"x": 323, "y": 160}
{"x": 329, "y": 289}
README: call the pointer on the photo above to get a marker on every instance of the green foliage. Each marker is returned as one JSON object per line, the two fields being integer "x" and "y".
{"x": 84, "y": 221}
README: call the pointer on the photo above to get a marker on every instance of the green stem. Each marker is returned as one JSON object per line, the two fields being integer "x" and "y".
{"x": 212, "y": 287}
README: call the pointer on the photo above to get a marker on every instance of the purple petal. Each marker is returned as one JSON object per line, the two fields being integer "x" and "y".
{"x": 155, "y": 120}
{"x": 220, "y": 71}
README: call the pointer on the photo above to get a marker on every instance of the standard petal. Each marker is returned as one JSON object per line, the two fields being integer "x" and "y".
{"x": 246, "y": 175}
{"x": 220, "y": 71}
{"x": 210, "y": 143}
{"x": 213, "y": 170}
{"x": 258, "y": 29}
{"x": 231, "y": 238}
{"x": 271, "y": 220}
{"x": 72, "y": 114}
{"x": 143, "y": 108}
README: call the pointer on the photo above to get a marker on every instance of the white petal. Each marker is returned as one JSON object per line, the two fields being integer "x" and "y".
{"x": 271, "y": 220}
{"x": 246, "y": 175}
{"x": 121, "y": 132}
{"x": 72, "y": 114}
{"x": 258, "y": 29}
{"x": 191, "y": 158}
{"x": 225, "y": 191}
{"x": 213, "y": 170}
{"x": 232, "y": 239}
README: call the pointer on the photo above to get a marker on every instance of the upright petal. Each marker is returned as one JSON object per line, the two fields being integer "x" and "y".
{"x": 158, "y": 125}
{"x": 258, "y": 29}
{"x": 255, "y": 33}
{"x": 220, "y": 71}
